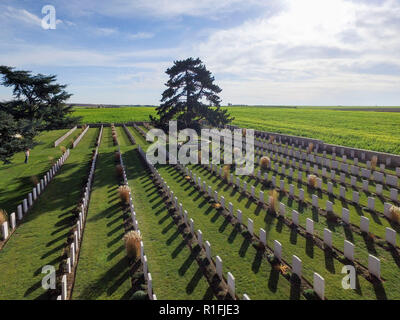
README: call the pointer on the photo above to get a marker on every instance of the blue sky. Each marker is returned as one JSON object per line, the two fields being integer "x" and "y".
{"x": 277, "y": 52}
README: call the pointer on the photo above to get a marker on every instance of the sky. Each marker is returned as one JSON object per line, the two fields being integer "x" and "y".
{"x": 270, "y": 52}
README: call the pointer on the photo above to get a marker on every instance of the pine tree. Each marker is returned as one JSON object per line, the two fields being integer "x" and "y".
{"x": 190, "y": 87}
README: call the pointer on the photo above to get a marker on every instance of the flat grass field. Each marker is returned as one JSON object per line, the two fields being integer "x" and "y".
{"x": 379, "y": 131}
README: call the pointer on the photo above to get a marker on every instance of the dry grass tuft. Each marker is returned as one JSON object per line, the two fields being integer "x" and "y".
{"x": 117, "y": 156}
{"x": 34, "y": 180}
{"x": 374, "y": 162}
{"x": 3, "y": 216}
{"x": 395, "y": 213}
{"x": 124, "y": 192}
{"x": 132, "y": 244}
{"x": 273, "y": 201}
{"x": 217, "y": 206}
{"x": 312, "y": 180}
{"x": 119, "y": 170}
{"x": 63, "y": 149}
{"x": 271, "y": 139}
{"x": 187, "y": 177}
{"x": 310, "y": 147}
{"x": 226, "y": 171}
{"x": 264, "y": 163}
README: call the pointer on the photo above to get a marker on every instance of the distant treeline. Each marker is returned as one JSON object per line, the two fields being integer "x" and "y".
{"x": 99, "y": 106}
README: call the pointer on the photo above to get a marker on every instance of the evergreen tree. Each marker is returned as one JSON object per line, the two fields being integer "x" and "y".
{"x": 191, "y": 97}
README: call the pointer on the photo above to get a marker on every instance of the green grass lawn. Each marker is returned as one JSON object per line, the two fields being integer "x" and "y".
{"x": 39, "y": 241}
{"x": 103, "y": 267}
{"x": 175, "y": 272}
{"x": 16, "y": 182}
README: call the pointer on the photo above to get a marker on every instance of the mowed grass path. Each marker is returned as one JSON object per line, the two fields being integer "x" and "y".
{"x": 39, "y": 241}
{"x": 175, "y": 272}
{"x": 103, "y": 269}
{"x": 15, "y": 182}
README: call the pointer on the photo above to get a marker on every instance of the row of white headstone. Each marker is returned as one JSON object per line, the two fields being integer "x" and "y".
{"x": 80, "y": 224}
{"x": 346, "y": 168}
{"x": 190, "y": 222}
{"x": 332, "y": 155}
{"x": 324, "y": 173}
{"x": 143, "y": 257}
{"x": 27, "y": 203}
{"x": 100, "y": 135}
{"x": 76, "y": 142}
{"x": 58, "y": 141}
{"x": 373, "y": 262}
{"x": 129, "y": 134}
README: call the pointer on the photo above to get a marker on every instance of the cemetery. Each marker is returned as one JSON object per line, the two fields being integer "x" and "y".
{"x": 200, "y": 231}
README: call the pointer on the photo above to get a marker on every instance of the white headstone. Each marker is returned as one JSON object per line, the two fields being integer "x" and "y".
{"x": 296, "y": 266}
{"x": 263, "y": 237}
{"x": 200, "y": 237}
{"x": 374, "y": 266}
{"x": 394, "y": 194}
{"x": 250, "y": 226}
{"x": 391, "y": 236}
{"x": 4, "y": 230}
{"x": 231, "y": 284}
{"x": 328, "y": 237}
{"x": 64, "y": 287}
{"x": 295, "y": 217}
{"x": 278, "y": 250}
{"x": 310, "y": 226}
{"x": 371, "y": 203}
{"x": 208, "y": 250}
{"x": 315, "y": 201}
{"x": 319, "y": 286}
{"x": 13, "y": 221}
{"x": 364, "y": 224}
{"x": 218, "y": 264}
{"x": 239, "y": 215}
{"x": 346, "y": 215}
{"x": 329, "y": 206}
{"x": 19, "y": 212}
{"x": 349, "y": 250}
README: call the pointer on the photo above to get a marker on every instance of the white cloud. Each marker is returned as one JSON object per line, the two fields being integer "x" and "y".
{"x": 140, "y": 35}
{"x": 20, "y": 15}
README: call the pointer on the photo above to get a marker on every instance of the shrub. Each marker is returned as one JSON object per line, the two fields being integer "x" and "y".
{"x": 273, "y": 201}
{"x": 119, "y": 170}
{"x": 312, "y": 180}
{"x": 374, "y": 162}
{"x": 63, "y": 149}
{"x": 310, "y": 147}
{"x": 264, "y": 163}
{"x": 34, "y": 180}
{"x": 226, "y": 170}
{"x": 132, "y": 244}
{"x": 395, "y": 213}
{"x": 124, "y": 192}
{"x": 271, "y": 139}
{"x": 3, "y": 216}
{"x": 117, "y": 156}
{"x": 139, "y": 295}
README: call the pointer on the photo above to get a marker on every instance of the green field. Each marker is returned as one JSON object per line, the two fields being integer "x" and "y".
{"x": 379, "y": 131}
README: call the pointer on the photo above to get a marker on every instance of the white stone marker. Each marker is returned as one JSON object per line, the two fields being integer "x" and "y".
{"x": 364, "y": 224}
{"x": 319, "y": 286}
{"x": 301, "y": 195}
{"x": 282, "y": 209}
{"x": 278, "y": 250}
{"x": 374, "y": 266}
{"x": 207, "y": 245}
{"x": 356, "y": 197}
{"x": 291, "y": 190}
{"x": 191, "y": 223}
{"x": 34, "y": 192}
{"x": 394, "y": 194}
{"x": 330, "y": 187}
{"x": 13, "y": 221}
{"x": 365, "y": 185}
{"x": 216, "y": 196}
{"x": 315, "y": 201}
{"x": 72, "y": 253}
{"x": 250, "y": 226}
{"x": 263, "y": 237}
{"x": 230, "y": 208}
{"x": 261, "y": 197}
{"x": 239, "y": 215}
{"x": 68, "y": 264}
{"x": 252, "y": 191}
{"x": 295, "y": 217}
{"x": 200, "y": 237}
{"x": 30, "y": 199}
{"x": 25, "y": 205}
{"x": 4, "y": 230}
{"x": 391, "y": 236}
{"x": 328, "y": 237}
{"x": 310, "y": 226}
{"x": 19, "y": 212}
{"x": 379, "y": 189}
{"x": 349, "y": 250}
{"x": 346, "y": 215}
{"x": 231, "y": 284}
{"x": 64, "y": 287}
{"x": 329, "y": 206}
{"x": 371, "y": 203}
{"x": 296, "y": 266}
{"x": 218, "y": 264}
{"x": 386, "y": 209}
{"x": 149, "y": 285}
{"x": 222, "y": 202}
